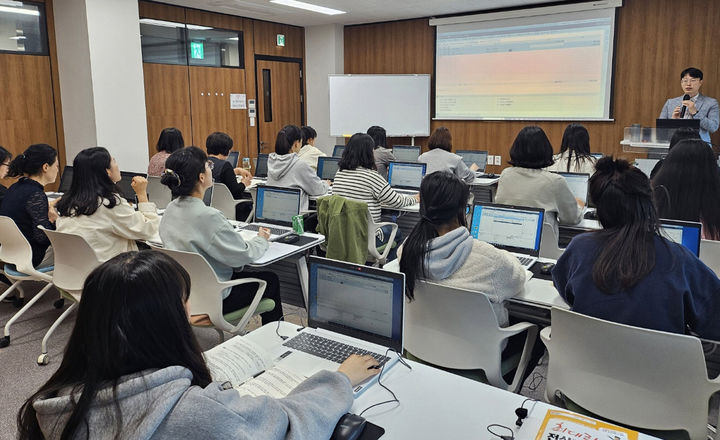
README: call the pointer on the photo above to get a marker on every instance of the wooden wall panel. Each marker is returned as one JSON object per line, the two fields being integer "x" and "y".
{"x": 649, "y": 59}
{"x": 265, "y": 39}
{"x": 210, "y": 90}
{"x": 167, "y": 101}
{"x": 161, "y": 11}
{"x": 222, "y": 21}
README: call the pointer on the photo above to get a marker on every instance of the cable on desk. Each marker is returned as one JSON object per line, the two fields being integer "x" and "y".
{"x": 382, "y": 369}
{"x": 503, "y": 437}
{"x": 282, "y": 318}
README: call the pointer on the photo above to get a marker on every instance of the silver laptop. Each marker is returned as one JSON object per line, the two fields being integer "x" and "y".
{"x": 578, "y": 183}
{"x": 352, "y": 309}
{"x": 406, "y": 153}
{"x": 274, "y": 209}
{"x": 338, "y": 151}
{"x": 327, "y": 167}
{"x": 476, "y": 157}
{"x": 516, "y": 229}
{"x": 405, "y": 177}
{"x": 646, "y": 165}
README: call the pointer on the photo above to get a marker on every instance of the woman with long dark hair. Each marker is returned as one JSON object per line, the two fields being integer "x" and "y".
{"x": 574, "y": 154}
{"x": 26, "y": 203}
{"x": 687, "y": 187}
{"x": 94, "y": 209}
{"x": 440, "y": 248}
{"x": 170, "y": 140}
{"x": 5, "y": 157}
{"x": 627, "y": 272}
{"x": 133, "y": 369}
{"x": 188, "y": 225}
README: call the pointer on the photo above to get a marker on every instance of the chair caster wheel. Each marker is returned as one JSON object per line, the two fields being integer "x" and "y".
{"x": 5, "y": 341}
{"x": 43, "y": 359}
{"x": 59, "y": 303}
{"x": 18, "y": 302}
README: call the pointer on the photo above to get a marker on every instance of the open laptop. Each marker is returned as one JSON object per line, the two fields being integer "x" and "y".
{"x": 261, "y": 169}
{"x": 646, "y": 165}
{"x": 597, "y": 156}
{"x": 406, "y": 153}
{"x": 274, "y": 209}
{"x": 327, "y": 167}
{"x": 405, "y": 177}
{"x": 338, "y": 150}
{"x": 352, "y": 309}
{"x": 65, "y": 183}
{"x": 478, "y": 158}
{"x": 125, "y": 185}
{"x": 578, "y": 183}
{"x": 233, "y": 158}
{"x": 516, "y": 229}
{"x": 685, "y": 233}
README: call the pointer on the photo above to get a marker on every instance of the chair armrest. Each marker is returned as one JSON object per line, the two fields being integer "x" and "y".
{"x": 371, "y": 240}
{"x": 262, "y": 285}
{"x": 545, "y": 336}
{"x": 516, "y": 328}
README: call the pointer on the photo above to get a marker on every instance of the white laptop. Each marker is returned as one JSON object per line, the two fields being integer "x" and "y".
{"x": 274, "y": 209}
{"x": 578, "y": 183}
{"x": 516, "y": 229}
{"x": 646, "y": 165}
{"x": 406, "y": 177}
{"x": 352, "y": 309}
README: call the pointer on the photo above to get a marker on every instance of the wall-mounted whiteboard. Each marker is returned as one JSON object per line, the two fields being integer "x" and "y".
{"x": 398, "y": 103}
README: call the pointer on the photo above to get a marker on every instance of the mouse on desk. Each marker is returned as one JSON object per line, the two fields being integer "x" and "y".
{"x": 289, "y": 239}
{"x": 349, "y": 427}
{"x": 546, "y": 268}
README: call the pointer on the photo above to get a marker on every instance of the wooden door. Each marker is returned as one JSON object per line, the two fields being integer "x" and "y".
{"x": 279, "y": 99}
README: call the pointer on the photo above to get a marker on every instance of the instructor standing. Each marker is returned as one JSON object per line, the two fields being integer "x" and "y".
{"x": 693, "y": 105}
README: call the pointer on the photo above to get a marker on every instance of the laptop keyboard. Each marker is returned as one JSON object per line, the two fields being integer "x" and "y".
{"x": 273, "y": 231}
{"x": 328, "y": 349}
{"x": 524, "y": 260}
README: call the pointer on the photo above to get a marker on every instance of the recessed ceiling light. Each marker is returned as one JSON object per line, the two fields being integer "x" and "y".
{"x": 308, "y": 7}
{"x": 18, "y": 10}
{"x": 173, "y": 24}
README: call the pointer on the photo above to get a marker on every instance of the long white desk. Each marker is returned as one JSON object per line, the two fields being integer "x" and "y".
{"x": 433, "y": 403}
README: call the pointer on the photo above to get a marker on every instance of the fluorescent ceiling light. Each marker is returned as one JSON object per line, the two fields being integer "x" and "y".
{"x": 308, "y": 6}
{"x": 18, "y": 10}
{"x": 234, "y": 39}
{"x": 194, "y": 27}
{"x": 172, "y": 24}
{"x": 19, "y": 37}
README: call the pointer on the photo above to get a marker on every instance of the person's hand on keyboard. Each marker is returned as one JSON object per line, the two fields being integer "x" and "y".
{"x": 359, "y": 368}
{"x": 264, "y": 233}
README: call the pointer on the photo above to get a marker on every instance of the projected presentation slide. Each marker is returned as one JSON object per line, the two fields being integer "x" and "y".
{"x": 558, "y": 70}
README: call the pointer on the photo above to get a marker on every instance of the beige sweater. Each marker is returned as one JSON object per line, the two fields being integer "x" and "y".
{"x": 310, "y": 154}
{"x": 539, "y": 189}
{"x": 587, "y": 165}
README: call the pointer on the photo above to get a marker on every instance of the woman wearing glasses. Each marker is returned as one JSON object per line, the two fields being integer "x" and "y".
{"x": 697, "y": 106}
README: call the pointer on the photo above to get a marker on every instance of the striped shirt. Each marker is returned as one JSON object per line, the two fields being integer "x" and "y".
{"x": 368, "y": 186}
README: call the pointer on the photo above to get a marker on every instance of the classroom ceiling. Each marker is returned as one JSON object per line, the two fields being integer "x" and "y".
{"x": 363, "y": 11}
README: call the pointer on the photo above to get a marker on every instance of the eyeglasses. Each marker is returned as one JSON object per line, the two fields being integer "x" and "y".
{"x": 689, "y": 81}
{"x": 6, "y": 164}
{"x": 210, "y": 164}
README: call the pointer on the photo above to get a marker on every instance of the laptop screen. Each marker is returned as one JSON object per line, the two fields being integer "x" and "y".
{"x": 685, "y": 233}
{"x": 338, "y": 150}
{"x": 597, "y": 156}
{"x": 356, "y": 300}
{"x": 233, "y": 157}
{"x": 277, "y": 205}
{"x": 470, "y": 157}
{"x": 327, "y": 167}
{"x": 66, "y": 179}
{"x": 125, "y": 184}
{"x": 261, "y": 165}
{"x": 207, "y": 197}
{"x": 406, "y": 153}
{"x": 406, "y": 175}
{"x": 578, "y": 183}
{"x": 646, "y": 165}
{"x": 514, "y": 228}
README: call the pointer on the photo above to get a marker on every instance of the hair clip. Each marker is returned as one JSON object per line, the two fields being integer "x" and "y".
{"x": 170, "y": 172}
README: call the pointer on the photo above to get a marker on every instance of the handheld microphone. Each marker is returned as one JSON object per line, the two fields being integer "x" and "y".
{"x": 684, "y": 107}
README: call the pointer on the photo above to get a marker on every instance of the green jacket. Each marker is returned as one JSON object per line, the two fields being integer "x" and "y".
{"x": 344, "y": 223}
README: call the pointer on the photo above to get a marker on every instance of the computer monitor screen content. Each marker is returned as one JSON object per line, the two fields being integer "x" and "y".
{"x": 507, "y": 227}
{"x": 277, "y": 205}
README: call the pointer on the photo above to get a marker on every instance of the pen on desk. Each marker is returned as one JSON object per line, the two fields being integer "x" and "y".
{"x": 258, "y": 373}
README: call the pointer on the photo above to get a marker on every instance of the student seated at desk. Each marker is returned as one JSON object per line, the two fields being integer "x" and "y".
{"x": 170, "y": 140}
{"x": 526, "y": 183}
{"x": 188, "y": 225}
{"x": 358, "y": 179}
{"x": 26, "y": 203}
{"x": 627, "y": 272}
{"x": 285, "y": 169}
{"x": 133, "y": 369}
{"x": 383, "y": 155}
{"x": 5, "y": 157}
{"x": 574, "y": 154}
{"x": 441, "y": 249}
{"x": 95, "y": 210}
{"x": 218, "y": 146}
{"x": 679, "y": 135}
{"x": 687, "y": 187}
{"x": 309, "y": 153}
{"x": 441, "y": 158}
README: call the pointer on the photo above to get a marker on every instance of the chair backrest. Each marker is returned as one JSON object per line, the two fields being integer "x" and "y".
{"x": 710, "y": 254}
{"x": 158, "y": 193}
{"x": 14, "y": 248}
{"x": 223, "y": 201}
{"x": 549, "y": 243}
{"x": 74, "y": 260}
{"x": 634, "y": 376}
{"x": 452, "y": 328}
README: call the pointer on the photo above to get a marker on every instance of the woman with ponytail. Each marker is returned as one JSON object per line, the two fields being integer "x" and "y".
{"x": 628, "y": 272}
{"x": 287, "y": 170}
{"x": 26, "y": 203}
{"x": 440, "y": 248}
{"x": 189, "y": 225}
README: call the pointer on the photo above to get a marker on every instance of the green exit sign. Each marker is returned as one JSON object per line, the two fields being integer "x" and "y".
{"x": 280, "y": 40}
{"x": 197, "y": 50}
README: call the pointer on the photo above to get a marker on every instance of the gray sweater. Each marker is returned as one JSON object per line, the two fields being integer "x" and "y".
{"x": 188, "y": 225}
{"x": 441, "y": 160}
{"x": 383, "y": 157}
{"x": 162, "y": 404}
{"x": 288, "y": 171}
